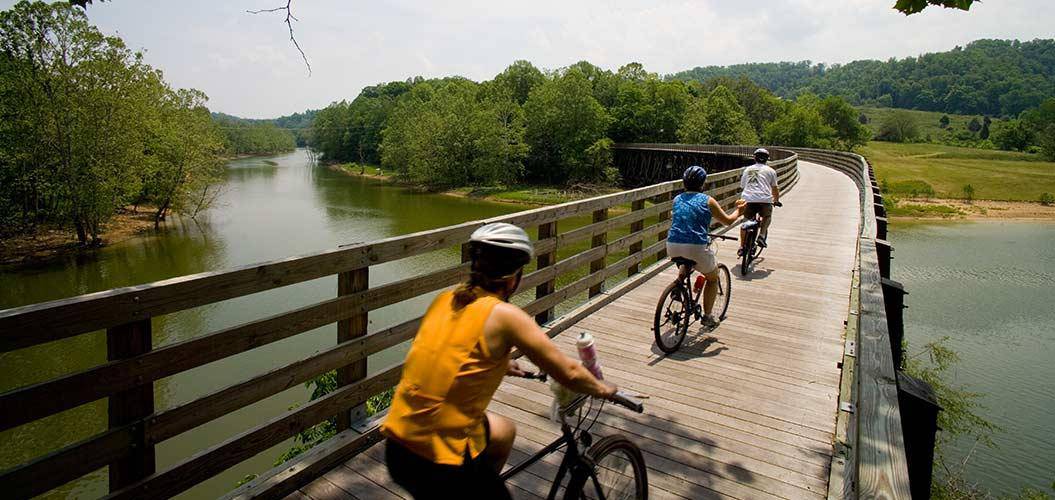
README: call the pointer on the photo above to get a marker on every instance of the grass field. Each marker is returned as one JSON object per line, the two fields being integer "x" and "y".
{"x": 927, "y": 121}
{"x": 909, "y": 170}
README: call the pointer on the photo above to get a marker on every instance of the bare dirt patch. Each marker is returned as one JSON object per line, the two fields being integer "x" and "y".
{"x": 49, "y": 243}
{"x": 987, "y": 209}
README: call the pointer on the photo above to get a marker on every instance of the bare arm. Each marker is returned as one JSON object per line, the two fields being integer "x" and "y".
{"x": 776, "y": 194}
{"x": 520, "y": 331}
{"x": 719, "y": 214}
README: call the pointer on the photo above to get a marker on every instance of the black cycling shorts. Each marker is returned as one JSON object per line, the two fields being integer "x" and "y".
{"x": 425, "y": 480}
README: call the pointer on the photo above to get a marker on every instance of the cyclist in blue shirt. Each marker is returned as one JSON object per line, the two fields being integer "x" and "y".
{"x": 692, "y": 215}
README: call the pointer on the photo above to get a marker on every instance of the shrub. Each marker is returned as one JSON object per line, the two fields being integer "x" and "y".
{"x": 968, "y": 193}
{"x": 1047, "y": 199}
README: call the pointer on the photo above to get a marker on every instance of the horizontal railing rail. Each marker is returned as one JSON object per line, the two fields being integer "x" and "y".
{"x": 126, "y": 380}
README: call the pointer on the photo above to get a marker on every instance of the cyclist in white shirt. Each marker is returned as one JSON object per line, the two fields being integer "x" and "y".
{"x": 760, "y": 190}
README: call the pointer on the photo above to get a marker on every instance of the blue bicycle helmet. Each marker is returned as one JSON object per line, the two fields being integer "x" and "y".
{"x": 694, "y": 177}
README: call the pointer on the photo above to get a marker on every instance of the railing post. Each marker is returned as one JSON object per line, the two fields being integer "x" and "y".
{"x": 894, "y": 302}
{"x": 881, "y": 223}
{"x": 635, "y": 227}
{"x": 548, "y": 230}
{"x": 350, "y": 282}
{"x": 599, "y": 240}
{"x": 125, "y": 341}
{"x": 664, "y": 215}
{"x": 883, "y": 251}
{"x": 919, "y": 421}
{"x": 880, "y": 210}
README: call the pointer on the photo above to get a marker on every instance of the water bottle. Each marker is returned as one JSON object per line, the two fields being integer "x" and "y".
{"x": 700, "y": 280}
{"x": 562, "y": 396}
{"x": 588, "y": 354}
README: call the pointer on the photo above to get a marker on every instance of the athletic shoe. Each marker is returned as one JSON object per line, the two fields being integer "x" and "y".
{"x": 739, "y": 252}
{"x": 710, "y": 321}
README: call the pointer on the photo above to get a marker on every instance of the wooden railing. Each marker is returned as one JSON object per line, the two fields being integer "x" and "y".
{"x": 870, "y": 459}
{"x": 134, "y": 363}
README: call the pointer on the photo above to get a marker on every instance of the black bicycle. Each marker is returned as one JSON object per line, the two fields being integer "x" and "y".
{"x": 611, "y": 468}
{"x": 753, "y": 246}
{"x": 680, "y": 305}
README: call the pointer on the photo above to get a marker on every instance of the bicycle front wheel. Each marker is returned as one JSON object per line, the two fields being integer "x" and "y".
{"x": 725, "y": 292}
{"x": 672, "y": 317}
{"x": 619, "y": 470}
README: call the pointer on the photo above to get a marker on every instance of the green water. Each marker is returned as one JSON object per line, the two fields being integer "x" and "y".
{"x": 267, "y": 211}
{"x": 990, "y": 288}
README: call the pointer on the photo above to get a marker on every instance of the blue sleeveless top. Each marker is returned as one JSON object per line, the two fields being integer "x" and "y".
{"x": 691, "y": 218}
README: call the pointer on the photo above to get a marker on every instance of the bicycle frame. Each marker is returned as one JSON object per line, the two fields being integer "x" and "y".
{"x": 574, "y": 461}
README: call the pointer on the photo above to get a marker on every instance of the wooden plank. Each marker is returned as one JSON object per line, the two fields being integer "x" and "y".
{"x": 218, "y": 458}
{"x": 184, "y": 417}
{"x": 352, "y": 327}
{"x": 71, "y": 462}
{"x": 545, "y": 315}
{"x": 637, "y": 225}
{"x": 599, "y": 240}
{"x": 32, "y": 402}
{"x": 128, "y": 406}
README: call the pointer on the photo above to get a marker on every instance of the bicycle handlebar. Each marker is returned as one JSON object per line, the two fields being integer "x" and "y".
{"x": 722, "y": 237}
{"x": 626, "y": 401}
{"x": 620, "y": 398}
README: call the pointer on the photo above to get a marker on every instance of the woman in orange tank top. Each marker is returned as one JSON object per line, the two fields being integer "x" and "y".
{"x": 442, "y": 443}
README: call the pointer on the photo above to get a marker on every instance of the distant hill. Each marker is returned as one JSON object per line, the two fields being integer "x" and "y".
{"x": 296, "y": 121}
{"x": 986, "y": 77}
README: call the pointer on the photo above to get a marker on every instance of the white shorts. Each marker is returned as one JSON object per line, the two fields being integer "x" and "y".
{"x": 706, "y": 256}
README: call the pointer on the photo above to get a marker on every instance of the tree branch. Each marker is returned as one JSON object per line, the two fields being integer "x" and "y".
{"x": 289, "y": 23}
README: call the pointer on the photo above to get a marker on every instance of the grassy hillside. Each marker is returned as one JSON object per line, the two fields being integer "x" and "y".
{"x": 929, "y": 129}
{"x": 932, "y": 170}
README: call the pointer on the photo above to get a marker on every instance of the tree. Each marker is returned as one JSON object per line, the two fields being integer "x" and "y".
{"x": 943, "y": 122}
{"x": 898, "y": 126}
{"x": 801, "y": 126}
{"x": 518, "y": 79}
{"x": 839, "y": 115}
{"x": 1046, "y": 141}
{"x": 909, "y": 7}
{"x": 984, "y": 133}
{"x": 718, "y": 119}
{"x": 563, "y": 119}
{"x": 974, "y": 125}
{"x": 1013, "y": 135}
{"x": 863, "y": 119}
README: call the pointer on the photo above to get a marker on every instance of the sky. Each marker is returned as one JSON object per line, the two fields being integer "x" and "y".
{"x": 248, "y": 67}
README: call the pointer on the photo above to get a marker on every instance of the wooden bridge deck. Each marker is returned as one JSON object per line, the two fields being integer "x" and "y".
{"x": 746, "y": 411}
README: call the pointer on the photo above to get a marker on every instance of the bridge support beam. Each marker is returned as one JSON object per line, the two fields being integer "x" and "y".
{"x": 545, "y": 231}
{"x": 350, "y": 282}
{"x": 919, "y": 421}
{"x": 122, "y": 342}
{"x": 881, "y": 223}
{"x": 880, "y": 210}
{"x": 599, "y": 240}
{"x": 635, "y": 227}
{"x": 894, "y": 301}
{"x": 883, "y": 249}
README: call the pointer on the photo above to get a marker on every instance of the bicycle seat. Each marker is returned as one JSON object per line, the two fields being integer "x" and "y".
{"x": 749, "y": 224}
{"x": 682, "y": 261}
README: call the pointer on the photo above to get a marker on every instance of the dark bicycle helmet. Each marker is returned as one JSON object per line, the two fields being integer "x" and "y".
{"x": 694, "y": 177}
{"x": 761, "y": 155}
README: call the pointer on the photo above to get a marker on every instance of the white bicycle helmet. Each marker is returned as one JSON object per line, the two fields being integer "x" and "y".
{"x": 501, "y": 234}
{"x": 763, "y": 152}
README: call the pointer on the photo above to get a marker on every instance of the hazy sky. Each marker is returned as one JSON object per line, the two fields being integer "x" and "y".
{"x": 247, "y": 66}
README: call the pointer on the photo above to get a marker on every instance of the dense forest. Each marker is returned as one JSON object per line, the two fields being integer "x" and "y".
{"x": 986, "y": 77}
{"x": 274, "y": 131}
{"x": 558, "y": 127}
{"x": 89, "y": 128}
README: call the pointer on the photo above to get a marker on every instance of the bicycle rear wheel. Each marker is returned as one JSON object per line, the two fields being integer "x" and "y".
{"x": 748, "y": 253}
{"x": 725, "y": 292}
{"x": 672, "y": 317}
{"x": 619, "y": 469}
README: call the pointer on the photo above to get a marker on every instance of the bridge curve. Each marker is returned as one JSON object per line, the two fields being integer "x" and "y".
{"x": 753, "y": 413}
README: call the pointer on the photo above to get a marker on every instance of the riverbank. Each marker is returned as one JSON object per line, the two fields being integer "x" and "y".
{"x": 945, "y": 209}
{"x": 519, "y": 194}
{"x": 49, "y": 243}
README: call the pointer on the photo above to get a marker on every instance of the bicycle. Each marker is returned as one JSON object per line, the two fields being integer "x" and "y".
{"x": 613, "y": 466}
{"x": 679, "y": 307}
{"x": 752, "y": 247}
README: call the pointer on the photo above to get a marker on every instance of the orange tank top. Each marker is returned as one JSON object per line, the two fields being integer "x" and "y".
{"x": 448, "y": 380}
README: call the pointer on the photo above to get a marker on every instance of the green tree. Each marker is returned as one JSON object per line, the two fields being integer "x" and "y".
{"x": 840, "y": 116}
{"x": 1046, "y": 141}
{"x": 441, "y": 135}
{"x": 563, "y": 119}
{"x": 943, "y": 122}
{"x": 518, "y": 79}
{"x": 801, "y": 126}
{"x": 909, "y": 7}
{"x": 898, "y": 126}
{"x": 718, "y": 119}
{"x": 974, "y": 125}
{"x": 1014, "y": 135}
{"x": 648, "y": 110}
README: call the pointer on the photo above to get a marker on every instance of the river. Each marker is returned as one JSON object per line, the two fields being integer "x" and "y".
{"x": 990, "y": 288}
{"x": 270, "y": 208}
